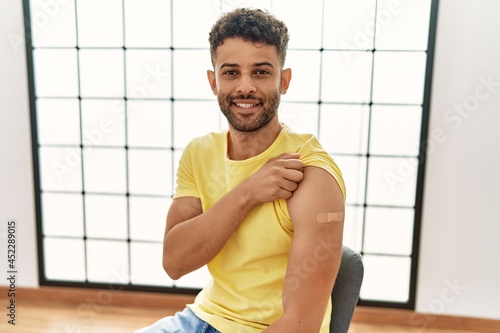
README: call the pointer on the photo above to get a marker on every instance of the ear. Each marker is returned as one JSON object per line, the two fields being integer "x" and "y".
{"x": 286, "y": 76}
{"x": 212, "y": 81}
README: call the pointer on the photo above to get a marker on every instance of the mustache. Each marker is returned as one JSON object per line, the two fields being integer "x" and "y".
{"x": 232, "y": 98}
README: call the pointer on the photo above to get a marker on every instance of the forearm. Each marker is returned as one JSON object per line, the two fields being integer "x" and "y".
{"x": 305, "y": 300}
{"x": 287, "y": 325}
{"x": 193, "y": 243}
{"x": 304, "y": 304}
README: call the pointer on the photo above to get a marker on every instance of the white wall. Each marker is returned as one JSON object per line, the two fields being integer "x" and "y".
{"x": 16, "y": 170}
{"x": 460, "y": 243}
{"x": 459, "y": 266}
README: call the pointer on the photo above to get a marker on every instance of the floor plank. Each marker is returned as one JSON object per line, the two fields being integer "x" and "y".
{"x": 62, "y": 310}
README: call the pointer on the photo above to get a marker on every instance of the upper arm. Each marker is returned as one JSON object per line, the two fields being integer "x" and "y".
{"x": 182, "y": 209}
{"x": 317, "y": 213}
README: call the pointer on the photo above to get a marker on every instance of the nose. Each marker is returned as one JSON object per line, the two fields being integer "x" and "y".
{"x": 246, "y": 85}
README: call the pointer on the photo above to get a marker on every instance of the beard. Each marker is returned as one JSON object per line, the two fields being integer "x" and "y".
{"x": 249, "y": 122}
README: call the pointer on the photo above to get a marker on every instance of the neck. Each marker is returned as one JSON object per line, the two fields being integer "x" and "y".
{"x": 244, "y": 145}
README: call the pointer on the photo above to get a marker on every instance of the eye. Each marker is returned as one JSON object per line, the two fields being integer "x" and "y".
{"x": 262, "y": 72}
{"x": 230, "y": 72}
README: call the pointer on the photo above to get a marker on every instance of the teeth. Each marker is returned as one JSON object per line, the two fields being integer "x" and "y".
{"x": 245, "y": 106}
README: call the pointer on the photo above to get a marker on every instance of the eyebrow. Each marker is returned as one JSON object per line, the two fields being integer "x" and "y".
{"x": 264, "y": 63}
{"x": 228, "y": 65}
{"x": 257, "y": 64}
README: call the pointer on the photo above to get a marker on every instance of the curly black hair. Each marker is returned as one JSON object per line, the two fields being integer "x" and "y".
{"x": 254, "y": 25}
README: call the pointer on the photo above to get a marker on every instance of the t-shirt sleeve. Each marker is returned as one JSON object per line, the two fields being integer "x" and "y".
{"x": 313, "y": 154}
{"x": 186, "y": 182}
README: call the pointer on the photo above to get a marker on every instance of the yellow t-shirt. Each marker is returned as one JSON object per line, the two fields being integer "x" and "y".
{"x": 245, "y": 292}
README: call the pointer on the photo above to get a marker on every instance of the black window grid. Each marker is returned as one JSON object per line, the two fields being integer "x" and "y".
{"x": 417, "y": 207}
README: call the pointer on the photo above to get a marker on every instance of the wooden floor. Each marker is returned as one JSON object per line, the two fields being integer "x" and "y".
{"x": 62, "y": 310}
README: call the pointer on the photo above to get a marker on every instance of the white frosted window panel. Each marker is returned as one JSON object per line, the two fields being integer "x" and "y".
{"x": 392, "y": 181}
{"x": 146, "y": 265}
{"x": 148, "y": 73}
{"x": 196, "y": 279}
{"x": 106, "y": 216}
{"x": 60, "y": 169}
{"x": 344, "y": 128}
{"x": 103, "y": 122}
{"x": 55, "y": 73}
{"x": 107, "y": 261}
{"x": 225, "y": 6}
{"x": 58, "y": 121}
{"x": 386, "y": 278}
{"x": 294, "y": 14}
{"x": 150, "y": 172}
{"x": 399, "y": 77}
{"x": 149, "y": 124}
{"x": 304, "y": 85}
{"x": 300, "y": 117}
{"x": 187, "y": 34}
{"x": 346, "y": 79}
{"x": 101, "y": 73}
{"x": 105, "y": 170}
{"x": 148, "y": 216}
{"x": 223, "y": 124}
{"x": 64, "y": 259}
{"x": 349, "y": 25}
{"x": 266, "y": 5}
{"x": 147, "y": 23}
{"x": 62, "y": 214}
{"x": 353, "y": 170}
{"x": 100, "y": 23}
{"x": 388, "y": 230}
{"x": 194, "y": 119}
{"x": 53, "y": 23}
{"x": 395, "y": 130}
{"x": 353, "y": 227}
{"x": 403, "y": 24}
{"x": 190, "y": 74}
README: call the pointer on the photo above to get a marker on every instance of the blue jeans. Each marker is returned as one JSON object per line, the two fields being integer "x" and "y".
{"x": 182, "y": 322}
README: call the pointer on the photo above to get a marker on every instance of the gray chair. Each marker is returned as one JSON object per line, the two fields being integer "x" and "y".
{"x": 345, "y": 293}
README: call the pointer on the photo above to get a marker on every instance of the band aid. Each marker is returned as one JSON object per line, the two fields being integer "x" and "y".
{"x": 330, "y": 217}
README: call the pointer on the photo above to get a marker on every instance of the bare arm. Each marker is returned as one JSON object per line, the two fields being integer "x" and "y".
{"x": 317, "y": 212}
{"x": 193, "y": 238}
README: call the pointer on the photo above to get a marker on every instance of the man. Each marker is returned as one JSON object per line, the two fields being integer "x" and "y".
{"x": 262, "y": 206}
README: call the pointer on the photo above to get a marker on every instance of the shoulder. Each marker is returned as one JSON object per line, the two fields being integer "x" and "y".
{"x": 202, "y": 148}
{"x": 210, "y": 139}
{"x": 295, "y": 138}
{"x": 209, "y": 144}
{"x": 312, "y": 154}
{"x": 306, "y": 144}
{"x": 317, "y": 186}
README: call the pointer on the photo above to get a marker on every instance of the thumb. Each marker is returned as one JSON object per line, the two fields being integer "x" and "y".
{"x": 288, "y": 156}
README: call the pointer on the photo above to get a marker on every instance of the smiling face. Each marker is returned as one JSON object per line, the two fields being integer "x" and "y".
{"x": 248, "y": 81}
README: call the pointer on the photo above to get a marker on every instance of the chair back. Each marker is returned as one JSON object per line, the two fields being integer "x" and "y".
{"x": 345, "y": 293}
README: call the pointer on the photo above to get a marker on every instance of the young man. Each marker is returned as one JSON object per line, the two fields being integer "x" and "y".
{"x": 262, "y": 206}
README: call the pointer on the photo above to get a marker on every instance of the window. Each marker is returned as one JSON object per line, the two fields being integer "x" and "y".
{"x": 118, "y": 88}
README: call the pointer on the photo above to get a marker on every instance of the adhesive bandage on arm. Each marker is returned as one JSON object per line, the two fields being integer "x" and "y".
{"x": 330, "y": 217}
